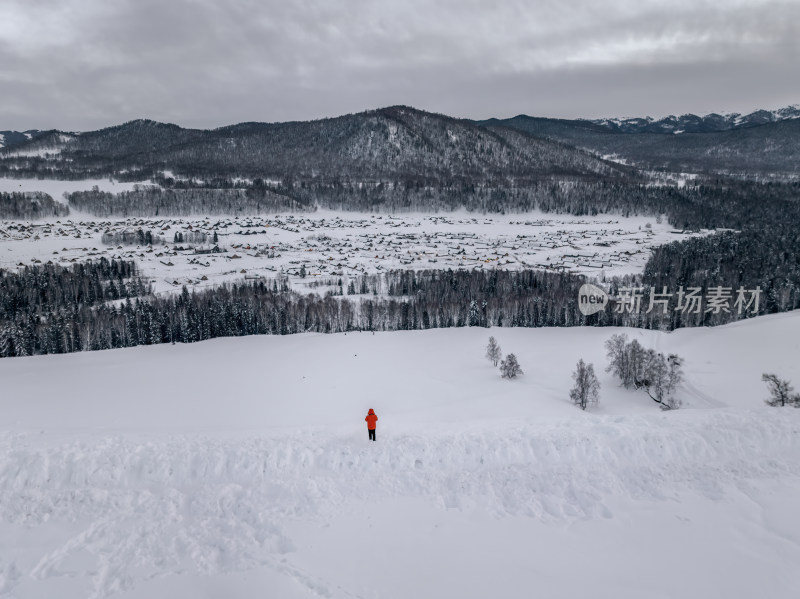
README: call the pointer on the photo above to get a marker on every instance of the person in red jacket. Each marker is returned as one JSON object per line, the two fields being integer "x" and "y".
{"x": 371, "y": 420}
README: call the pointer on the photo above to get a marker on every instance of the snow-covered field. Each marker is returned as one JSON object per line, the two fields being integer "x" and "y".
{"x": 241, "y": 468}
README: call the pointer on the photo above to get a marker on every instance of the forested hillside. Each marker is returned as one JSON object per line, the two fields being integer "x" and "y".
{"x": 398, "y": 145}
{"x": 770, "y": 149}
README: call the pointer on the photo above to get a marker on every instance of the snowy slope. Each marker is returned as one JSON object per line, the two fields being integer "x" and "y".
{"x": 240, "y": 468}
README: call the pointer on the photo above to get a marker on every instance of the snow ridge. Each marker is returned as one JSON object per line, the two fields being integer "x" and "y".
{"x": 146, "y": 508}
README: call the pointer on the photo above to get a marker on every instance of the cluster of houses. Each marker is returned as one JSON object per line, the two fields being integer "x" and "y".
{"x": 206, "y": 251}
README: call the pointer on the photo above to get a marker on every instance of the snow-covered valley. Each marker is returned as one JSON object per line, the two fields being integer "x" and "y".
{"x": 241, "y": 467}
{"x": 326, "y": 244}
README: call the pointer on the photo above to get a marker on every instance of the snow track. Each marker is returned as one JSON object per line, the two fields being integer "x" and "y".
{"x": 137, "y": 509}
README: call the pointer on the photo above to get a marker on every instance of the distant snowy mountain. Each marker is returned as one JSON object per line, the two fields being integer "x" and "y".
{"x": 760, "y": 143}
{"x": 9, "y": 139}
{"x": 691, "y": 123}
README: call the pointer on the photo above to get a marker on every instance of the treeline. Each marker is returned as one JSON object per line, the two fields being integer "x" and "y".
{"x": 155, "y": 201}
{"x": 29, "y": 206}
{"x": 410, "y": 195}
{"x": 418, "y": 194}
{"x": 717, "y": 203}
{"x": 586, "y": 196}
{"x": 532, "y": 298}
{"x": 398, "y": 300}
{"x": 762, "y": 252}
{"x": 40, "y": 306}
{"x": 41, "y": 289}
{"x": 767, "y": 260}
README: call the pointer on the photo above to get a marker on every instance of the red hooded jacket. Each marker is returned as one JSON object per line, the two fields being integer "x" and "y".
{"x": 371, "y": 419}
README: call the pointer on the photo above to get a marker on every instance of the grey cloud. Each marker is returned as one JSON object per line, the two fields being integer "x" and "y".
{"x": 82, "y": 64}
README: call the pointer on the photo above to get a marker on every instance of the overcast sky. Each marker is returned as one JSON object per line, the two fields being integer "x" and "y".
{"x": 85, "y": 64}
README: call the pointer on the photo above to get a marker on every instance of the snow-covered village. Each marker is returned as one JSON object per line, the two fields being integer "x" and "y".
{"x": 198, "y": 252}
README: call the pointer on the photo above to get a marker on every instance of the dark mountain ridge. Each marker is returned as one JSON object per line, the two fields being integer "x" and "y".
{"x": 399, "y": 143}
{"x": 396, "y": 143}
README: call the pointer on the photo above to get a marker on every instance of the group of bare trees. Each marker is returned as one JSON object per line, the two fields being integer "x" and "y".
{"x": 657, "y": 375}
{"x": 645, "y": 369}
{"x": 509, "y": 366}
{"x": 637, "y": 368}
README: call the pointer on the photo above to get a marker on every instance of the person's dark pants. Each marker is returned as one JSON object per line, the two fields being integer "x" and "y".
{"x": 371, "y": 432}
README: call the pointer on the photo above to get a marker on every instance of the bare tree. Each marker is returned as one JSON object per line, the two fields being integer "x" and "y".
{"x": 587, "y": 387}
{"x": 510, "y": 368}
{"x": 674, "y": 373}
{"x": 493, "y": 352}
{"x": 780, "y": 391}
{"x": 616, "y": 351}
